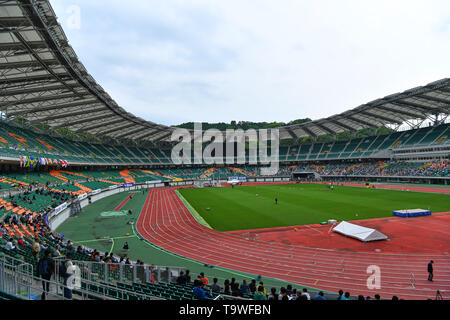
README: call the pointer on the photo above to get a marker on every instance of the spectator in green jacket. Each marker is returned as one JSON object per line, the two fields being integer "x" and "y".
{"x": 259, "y": 295}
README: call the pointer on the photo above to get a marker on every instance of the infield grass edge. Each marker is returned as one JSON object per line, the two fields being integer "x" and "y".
{"x": 192, "y": 210}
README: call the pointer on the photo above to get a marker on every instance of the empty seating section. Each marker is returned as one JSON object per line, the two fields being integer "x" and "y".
{"x": 393, "y": 140}
{"x": 362, "y": 149}
{"x": 304, "y": 151}
{"x": 315, "y": 150}
{"x": 413, "y": 137}
{"x": 375, "y": 145}
{"x": 351, "y": 146}
{"x": 293, "y": 153}
{"x": 434, "y": 135}
{"x": 325, "y": 150}
{"x": 336, "y": 149}
{"x": 283, "y": 153}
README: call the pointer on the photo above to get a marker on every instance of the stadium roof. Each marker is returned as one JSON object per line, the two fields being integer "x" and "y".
{"x": 42, "y": 80}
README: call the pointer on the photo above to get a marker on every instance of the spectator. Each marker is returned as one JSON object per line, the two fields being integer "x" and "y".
{"x": 346, "y": 296}
{"x": 233, "y": 280}
{"x": 235, "y": 292}
{"x": 181, "y": 278}
{"x": 70, "y": 248}
{"x": 259, "y": 295}
{"x": 283, "y": 294}
{"x": 289, "y": 290}
{"x": 66, "y": 271}
{"x": 46, "y": 266}
{"x": 301, "y": 297}
{"x": 36, "y": 249}
{"x": 111, "y": 256}
{"x": 199, "y": 291}
{"x": 150, "y": 275}
{"x": 227, "y": 287}
{"x": 320, "y": 296}
{"x": 273, "y": 293}
{"x": 252, "y": 286}
{"x": 262, "y": 285}
{"x": 204, "y": 279}
{"x": 377, "y": 297}
{"x": 140, "y": 271}
{"x": 20, "y": 242}
{"x": 244, "y": 288}
{"x": 2, "y": 229}
{"x": 215, "y": 286}
{"x": 305, "y": 293}
{"x": 10, "y": 246}
{"x": 293, "y": 295}
{"x": 188, "y": 277}
{"x": 340, "y": 294}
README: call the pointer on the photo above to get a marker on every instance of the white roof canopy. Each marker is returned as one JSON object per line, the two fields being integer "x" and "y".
{"x": 42, "y": 80}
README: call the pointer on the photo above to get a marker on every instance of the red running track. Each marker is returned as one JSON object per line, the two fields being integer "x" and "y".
{"x": 167, "y": 223}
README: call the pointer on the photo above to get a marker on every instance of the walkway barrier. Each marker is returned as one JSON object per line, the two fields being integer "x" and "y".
{"x": 18, "y": 279}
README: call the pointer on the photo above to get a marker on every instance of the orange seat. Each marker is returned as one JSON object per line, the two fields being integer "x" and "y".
{"x": 28, "y": 233}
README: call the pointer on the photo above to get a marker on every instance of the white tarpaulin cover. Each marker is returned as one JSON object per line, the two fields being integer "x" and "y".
{"x": 361, "y": 233}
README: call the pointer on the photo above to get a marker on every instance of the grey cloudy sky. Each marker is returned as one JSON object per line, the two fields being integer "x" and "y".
{"x": 172, "y": 61}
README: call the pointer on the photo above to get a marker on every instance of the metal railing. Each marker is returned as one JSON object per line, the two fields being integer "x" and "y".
{"x": 18, "y": 279}
{"x": 110, "y": 274}
{"x": 118, "y": 272}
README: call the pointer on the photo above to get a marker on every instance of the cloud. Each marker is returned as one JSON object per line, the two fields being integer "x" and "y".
{"x": 175, "y": 61}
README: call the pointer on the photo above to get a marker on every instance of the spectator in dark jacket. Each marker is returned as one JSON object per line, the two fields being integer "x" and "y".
{"x": 227, "y": 287}
{"x": 244, "y": 288}
{"x": 46, "y": 266}
{"x": 188, "y": 277}
{"x": 215, "y": 287}
{"x": 252, "y": 286}
{"x": 182, "y": 278}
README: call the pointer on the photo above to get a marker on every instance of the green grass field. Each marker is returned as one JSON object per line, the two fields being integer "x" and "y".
{"x": 240, "y": 208}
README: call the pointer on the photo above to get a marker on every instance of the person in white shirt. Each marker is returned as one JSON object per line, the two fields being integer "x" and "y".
{"x": 10, "y": 246}
{"x": 70, "y": 270}
{"x": 305, "y": 293}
